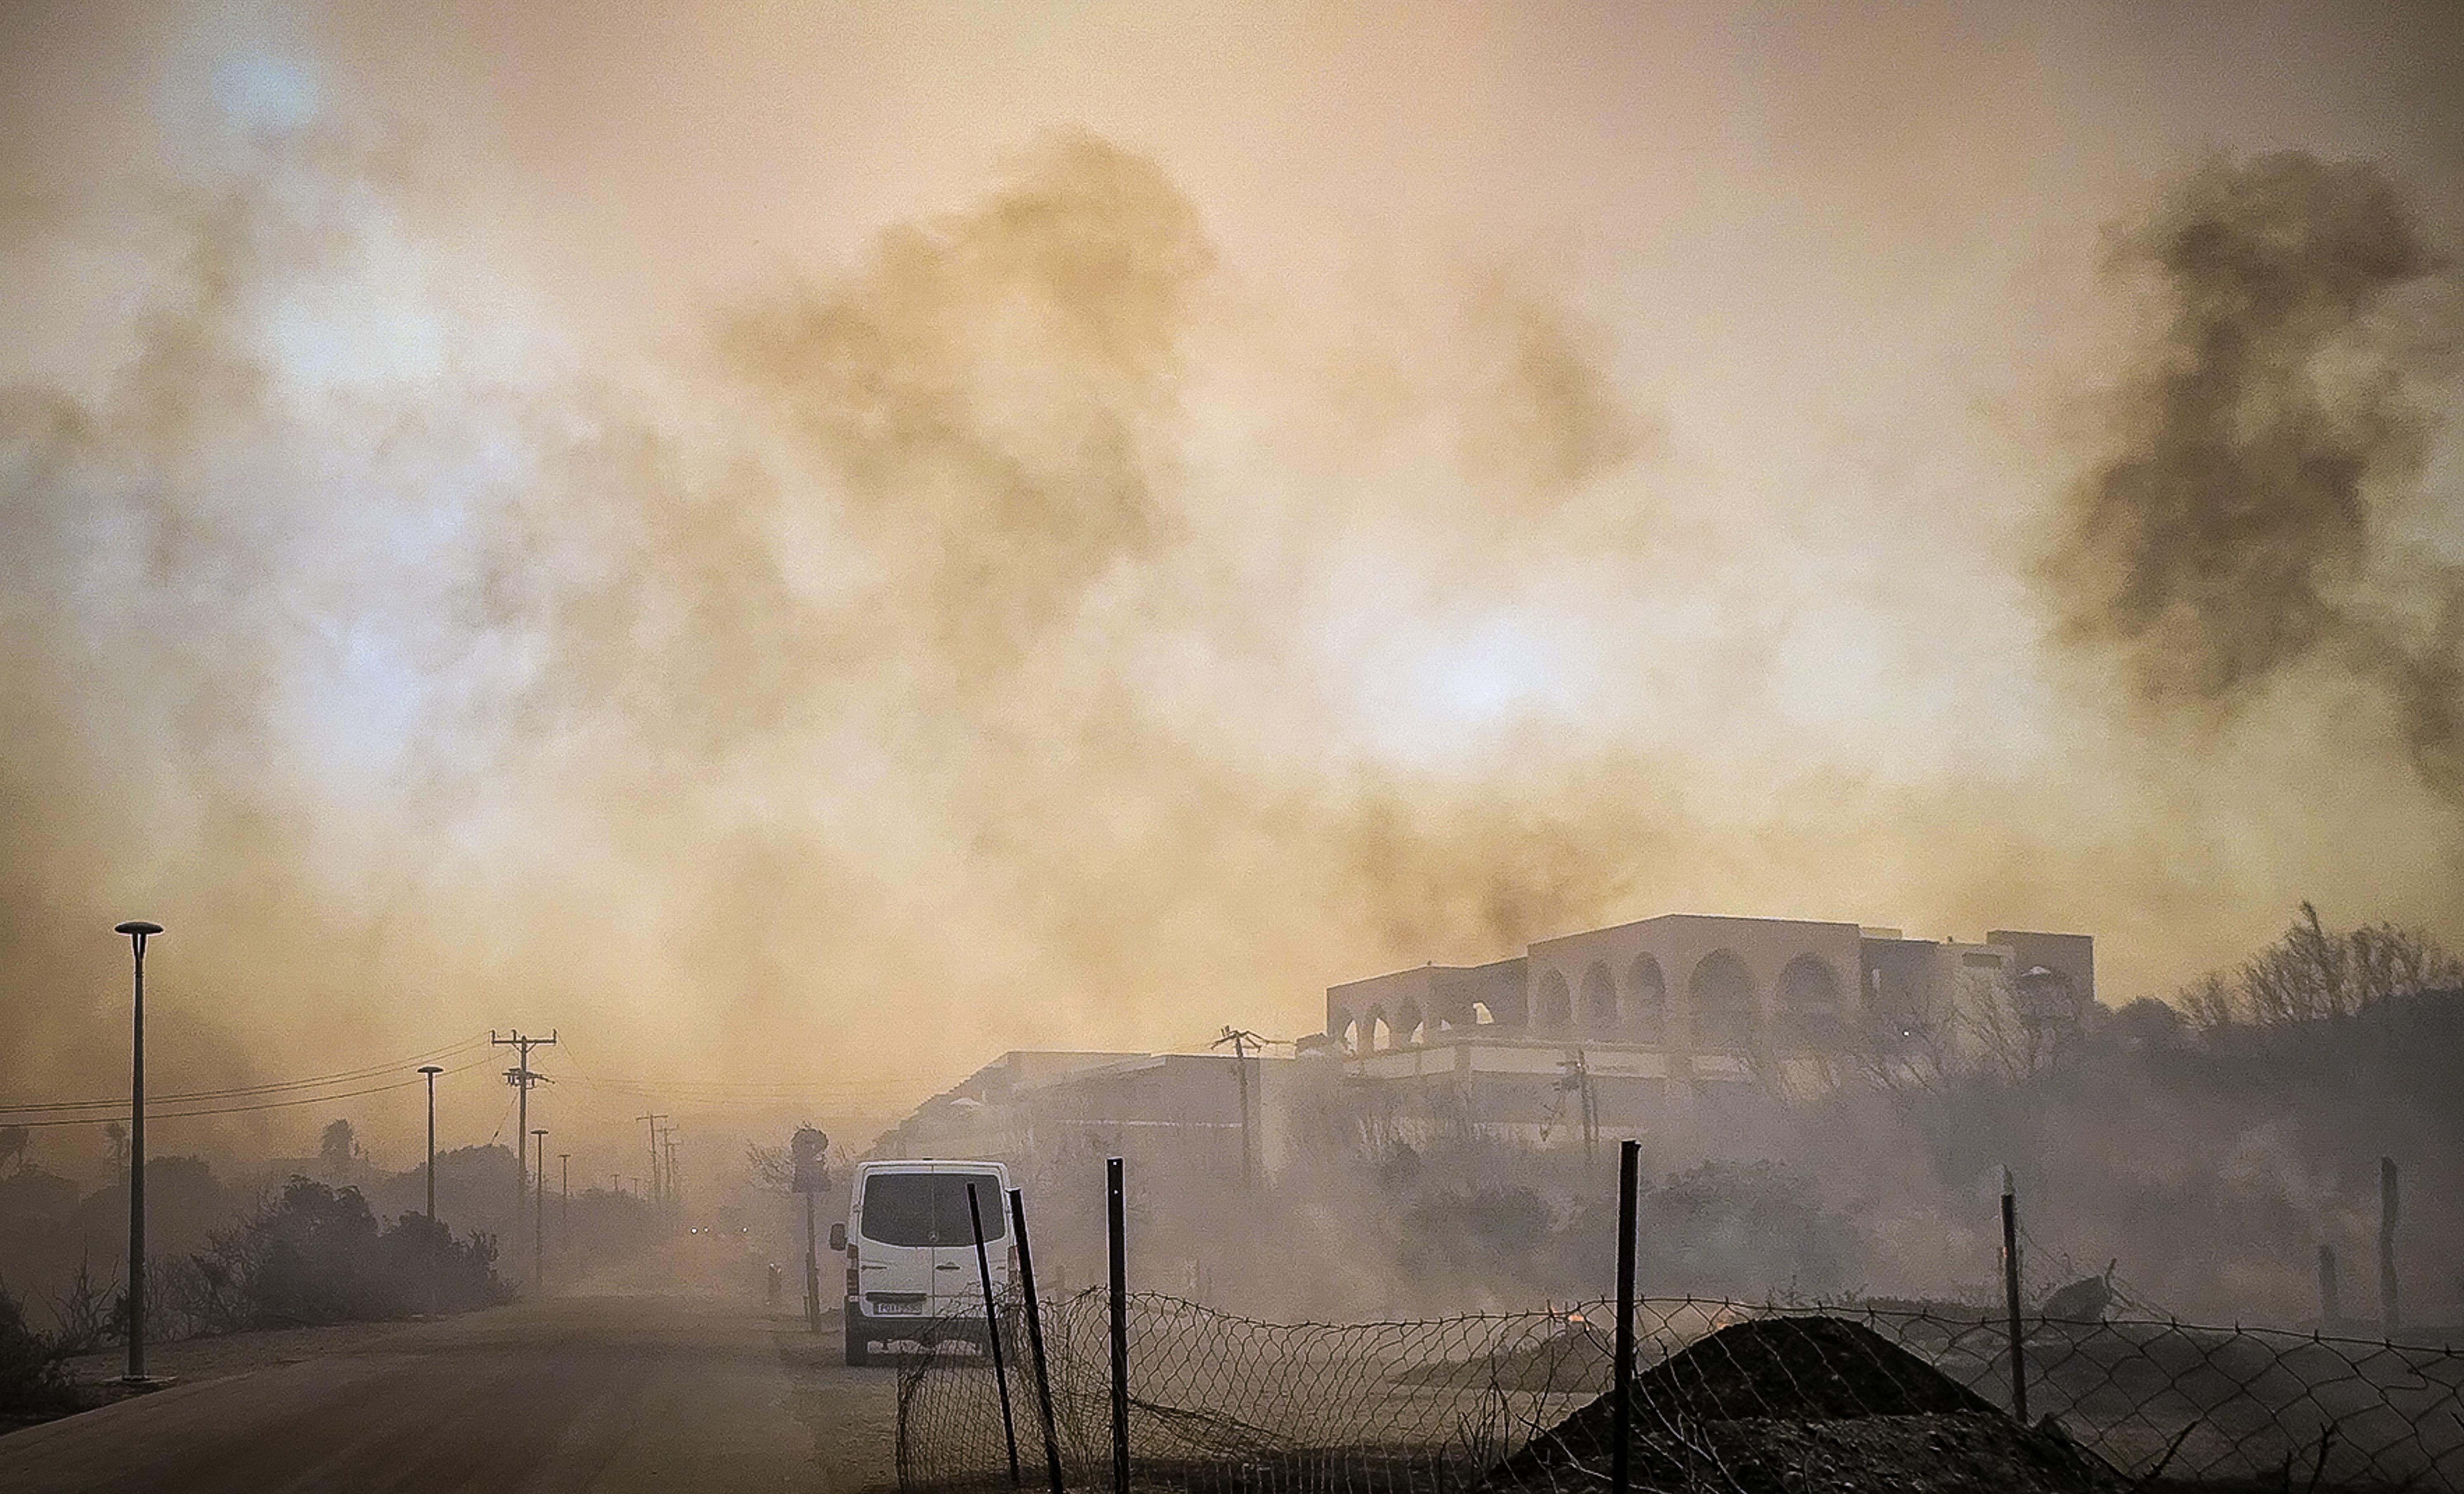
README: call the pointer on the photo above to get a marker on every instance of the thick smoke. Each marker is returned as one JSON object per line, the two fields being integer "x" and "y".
{"x": 811, "y": 688}
{"x": 2241, "y": 531}
{"x": 1021, "y": 631}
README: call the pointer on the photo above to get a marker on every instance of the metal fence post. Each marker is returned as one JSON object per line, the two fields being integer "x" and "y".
{"x": 1621, "y": 1452}
{"x": 1035, "y": 1339}
{"x": 2391, "y": 1313}
{"x": 992, "y": 1332}
{"x": 2011, "y": 1291}
{"x": 1116, "y": 1223}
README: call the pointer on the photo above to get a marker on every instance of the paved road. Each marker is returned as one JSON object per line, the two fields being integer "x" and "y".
{"x": 666, "y": 1392}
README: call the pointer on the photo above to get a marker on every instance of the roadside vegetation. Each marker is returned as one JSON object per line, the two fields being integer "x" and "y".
{"x": 310, "y": 1255}
{"x": 34, "y": 1383}
{"x": 316, "y": 1254}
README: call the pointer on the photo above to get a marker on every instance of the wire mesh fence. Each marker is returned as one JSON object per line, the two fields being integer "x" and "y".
{"x": 1728, "y": 1395}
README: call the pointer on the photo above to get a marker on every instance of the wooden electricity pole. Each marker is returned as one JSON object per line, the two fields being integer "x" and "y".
{"x": 521, "y": 1078}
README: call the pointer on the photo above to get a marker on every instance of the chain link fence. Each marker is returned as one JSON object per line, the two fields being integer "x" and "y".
{"x": 1728, "y": 1395}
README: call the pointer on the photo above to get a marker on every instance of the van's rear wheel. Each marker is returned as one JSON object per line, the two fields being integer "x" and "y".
{"x": 858, "y": 1348}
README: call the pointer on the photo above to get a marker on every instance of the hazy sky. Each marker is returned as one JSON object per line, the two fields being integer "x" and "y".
{"x": 816, "y": 543}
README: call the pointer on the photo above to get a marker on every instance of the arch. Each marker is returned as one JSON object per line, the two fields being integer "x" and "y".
{"x": 1647, "y": 1000}
{"x": 1599, "y": 1009}
{"x": 1381, "y": 1036}
{"x": 1552, "y": 1008}
{"x": 1719, "y": 998}
{"x": 1809, "y": 1001}
{"x": 1351, "y": 1036}
{"x": 1482, "y": 1016}
{"x": 1407, "y": 1025}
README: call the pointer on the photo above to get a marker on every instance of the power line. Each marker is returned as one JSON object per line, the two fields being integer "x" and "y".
{"x": 343, "y": 1076}
{"x": 233, "y": 1110}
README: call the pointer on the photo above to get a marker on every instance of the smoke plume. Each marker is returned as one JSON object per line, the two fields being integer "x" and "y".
{"x": 2239, "y": 533}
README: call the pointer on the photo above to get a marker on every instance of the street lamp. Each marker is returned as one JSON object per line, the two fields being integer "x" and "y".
{"x": 137, "y": 931}
{"x": 539, "y": 1215}
{"x": 435, "y": 1266}
{"x": 432, "y": 1071}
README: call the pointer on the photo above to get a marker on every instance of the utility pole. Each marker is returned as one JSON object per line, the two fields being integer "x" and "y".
{"x": 564, "y": 1199}
{"x": 538, "y": 1217}
{"x": 675, "y": 1195}
{"x": 1240, "y": 1043}
{"x": 654, "y": 1120}
{"x": 520, "y": 1077}
{"x": 137, "y": 931}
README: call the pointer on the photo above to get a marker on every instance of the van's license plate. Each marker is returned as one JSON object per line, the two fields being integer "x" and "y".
{"x": 892, "y": 1310}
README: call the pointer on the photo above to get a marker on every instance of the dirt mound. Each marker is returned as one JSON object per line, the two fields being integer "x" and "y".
{"x": 1810, "y": 1369}
{"x": 1806, "y": 1404}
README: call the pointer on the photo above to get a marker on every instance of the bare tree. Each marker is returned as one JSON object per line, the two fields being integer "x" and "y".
{"x": 2314, "y": 973}
{"x": 773, "y": 1170}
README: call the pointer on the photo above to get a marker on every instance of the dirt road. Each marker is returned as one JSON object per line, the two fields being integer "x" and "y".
{"x": 663, "y": 1391}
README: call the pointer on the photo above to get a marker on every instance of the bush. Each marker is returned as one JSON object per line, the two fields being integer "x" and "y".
{"x": 32, "y": 1381}
{"x": 316, "y": 1255}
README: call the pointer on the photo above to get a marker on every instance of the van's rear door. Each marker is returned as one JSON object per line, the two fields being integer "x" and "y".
{"x": 895, "y": 1223}
{"x": 956, "y": 1286}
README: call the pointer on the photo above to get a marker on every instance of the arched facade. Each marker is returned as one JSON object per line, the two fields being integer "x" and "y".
{"x": 1776, "y": 987}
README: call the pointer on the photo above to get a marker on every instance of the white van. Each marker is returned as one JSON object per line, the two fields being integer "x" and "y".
{"x": 910, "y": 1251}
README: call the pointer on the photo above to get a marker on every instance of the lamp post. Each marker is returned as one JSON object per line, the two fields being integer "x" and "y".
{"x": 539, "y": 1214}
{"x": 137, "y": 931}
{"x": 435, "y": 1262}
{"x": 431, "y": 1070}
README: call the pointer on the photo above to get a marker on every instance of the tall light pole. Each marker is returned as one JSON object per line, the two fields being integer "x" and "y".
{"x": 539, "y": 1215}
{"x": 435, "y": 1260}
{"x": 137, "y": 931}
{"x": 431, "y": 1070}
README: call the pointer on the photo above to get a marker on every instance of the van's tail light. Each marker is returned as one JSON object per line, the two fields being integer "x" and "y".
{"x": 1013, "y": 1262}
{"x": 851, "y": 1268}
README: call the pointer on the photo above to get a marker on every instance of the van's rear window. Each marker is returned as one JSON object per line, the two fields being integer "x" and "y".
{"x": 930, "y": 1208}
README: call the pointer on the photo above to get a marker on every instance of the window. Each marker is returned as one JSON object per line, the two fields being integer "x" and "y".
{"x": 930, "y": 1208}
